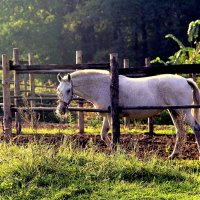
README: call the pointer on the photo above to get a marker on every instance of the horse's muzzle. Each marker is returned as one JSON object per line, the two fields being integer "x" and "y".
{"x": 61, "y": 109}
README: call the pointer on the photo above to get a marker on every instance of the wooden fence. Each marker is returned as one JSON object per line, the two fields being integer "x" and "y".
{"x": 114, "y": 87}
{"x": 30, "y": 69}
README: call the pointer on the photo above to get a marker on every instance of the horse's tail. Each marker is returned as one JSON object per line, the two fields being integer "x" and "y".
{"x": 196, "y": 97}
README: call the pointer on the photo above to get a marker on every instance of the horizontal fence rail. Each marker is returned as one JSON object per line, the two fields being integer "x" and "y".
{"x": 60, "y": 67}
{"x": 15, "y": 109}
{"x": 159, "y": 107}
{"x": 45, "y": 71}
{"x": 160, "y": 69}
{"x": 139, "y": 71}
{"x": 108, "y": 110}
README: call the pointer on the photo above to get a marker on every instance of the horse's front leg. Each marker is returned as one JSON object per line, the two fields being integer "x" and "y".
{"x": 104, "y": 130}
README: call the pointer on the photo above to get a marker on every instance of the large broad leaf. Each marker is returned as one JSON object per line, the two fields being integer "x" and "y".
{"x": 176, "y": 40}
{"x": 190, "y": 31}
{"x": 158, "y": 60}
{"x": 193, "y": 31}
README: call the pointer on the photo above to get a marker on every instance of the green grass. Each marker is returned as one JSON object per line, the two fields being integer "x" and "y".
{"x": 43, "y": 172}
{"x": 73, "y": 129}
{"x": 88, "y": 130}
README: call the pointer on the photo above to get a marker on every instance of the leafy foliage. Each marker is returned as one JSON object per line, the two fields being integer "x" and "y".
{"x": 193, "y": 31}
{"x": 185, "y": 55}
{"x": 53, "y": 30}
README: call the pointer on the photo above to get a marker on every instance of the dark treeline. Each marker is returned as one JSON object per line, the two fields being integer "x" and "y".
{"x": 53, "y": 30}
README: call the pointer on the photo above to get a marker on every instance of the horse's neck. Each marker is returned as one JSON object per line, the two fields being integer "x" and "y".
{"x": 89, "y": 87}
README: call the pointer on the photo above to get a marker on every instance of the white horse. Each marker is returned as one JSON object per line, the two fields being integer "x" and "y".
{"x": 94, "y": 86}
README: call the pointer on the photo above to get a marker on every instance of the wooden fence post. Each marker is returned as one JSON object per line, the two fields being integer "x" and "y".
{"x": 32, "y": 91}
{"x": 18, "y": 125}
{"x": 7, "y": 118}
{"x": 114, "y": 96}
{"x": 126, "y": 120}
{"x": 31, "y": 79}
{"x": 79, "y": 60}
{"x": 150, "y": 119}
{"x": 25, "y": 81}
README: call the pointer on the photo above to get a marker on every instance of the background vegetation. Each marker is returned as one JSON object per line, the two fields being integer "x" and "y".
{"x": 53, "y": 30}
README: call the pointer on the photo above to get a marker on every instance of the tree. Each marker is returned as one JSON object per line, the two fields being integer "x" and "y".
{"x": 53, "y": 30}
{"x": 34, "y": 26}
{"x": 134, "y": 29}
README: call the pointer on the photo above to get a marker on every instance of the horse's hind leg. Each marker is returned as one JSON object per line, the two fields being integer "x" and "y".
{"x": 196, "y": 130}
{"x": 195, "y": 127}
{"x": 178, "y": 120}
{"x": 190, "y": 120}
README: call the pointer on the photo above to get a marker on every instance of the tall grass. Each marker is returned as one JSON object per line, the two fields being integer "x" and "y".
{"x": 43, "y": 172}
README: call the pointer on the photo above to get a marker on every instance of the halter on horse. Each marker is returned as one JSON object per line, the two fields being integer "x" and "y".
{"x": 65, "y": 98}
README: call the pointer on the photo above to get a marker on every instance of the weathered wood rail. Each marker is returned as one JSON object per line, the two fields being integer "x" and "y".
{"x": 15, "y": 109}
{"x": 113, "y": 66}
{"x": 160, "y": 69}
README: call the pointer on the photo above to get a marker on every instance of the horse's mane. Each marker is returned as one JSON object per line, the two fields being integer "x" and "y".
{"x": 90, "y": 72}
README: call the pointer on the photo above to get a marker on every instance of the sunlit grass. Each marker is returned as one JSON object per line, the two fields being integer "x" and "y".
{"x": 73, "y": 129}
{"x": 68, "y": 130}
{"x": 47, "y": 131}
{"x": 40, "y": 172}
{"x": 95, "y": 128}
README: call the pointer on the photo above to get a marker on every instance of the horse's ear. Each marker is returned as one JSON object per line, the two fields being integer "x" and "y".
{"x": 68, "y": 77}
{"x": 59, "y": 77}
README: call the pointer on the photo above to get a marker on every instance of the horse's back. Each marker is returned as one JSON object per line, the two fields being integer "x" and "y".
{"x": 154, "y": 91}
{"x": 176, "y": 90}
{"x": 160, "y": 82}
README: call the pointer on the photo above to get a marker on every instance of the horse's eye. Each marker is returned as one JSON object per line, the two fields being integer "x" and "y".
{"x": 68, "y": 91}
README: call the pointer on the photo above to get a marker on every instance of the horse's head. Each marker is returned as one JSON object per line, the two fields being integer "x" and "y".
{"x": 65, "y": 93}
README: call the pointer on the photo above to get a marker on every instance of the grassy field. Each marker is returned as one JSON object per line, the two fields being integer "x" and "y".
{"x": 73, "y": 129}
{"x": 41, "y": 172}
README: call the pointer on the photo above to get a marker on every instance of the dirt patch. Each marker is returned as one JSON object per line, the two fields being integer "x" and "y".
{"x": 142, "y": 145}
